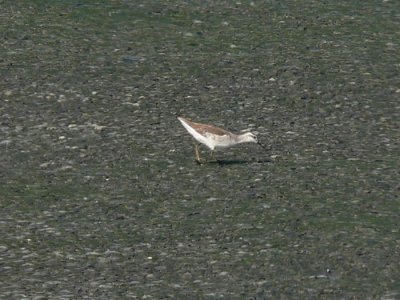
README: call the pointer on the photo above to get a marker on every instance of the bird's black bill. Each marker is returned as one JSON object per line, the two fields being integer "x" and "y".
{"x": 262, "y": 146}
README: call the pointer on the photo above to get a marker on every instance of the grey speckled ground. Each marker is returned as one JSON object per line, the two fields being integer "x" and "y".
{"x": 100, "y": 196}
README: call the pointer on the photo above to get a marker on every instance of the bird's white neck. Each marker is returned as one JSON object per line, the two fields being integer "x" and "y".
{"x": 247, "y": 137}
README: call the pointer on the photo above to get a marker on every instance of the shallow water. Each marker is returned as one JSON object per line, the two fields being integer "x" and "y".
{"x": 100, "y": 195}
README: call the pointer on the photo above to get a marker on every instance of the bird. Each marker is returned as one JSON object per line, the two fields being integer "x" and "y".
{"x": 215, "y": 138}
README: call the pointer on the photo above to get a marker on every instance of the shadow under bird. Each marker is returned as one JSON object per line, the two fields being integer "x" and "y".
{"x": 215, "y": 138}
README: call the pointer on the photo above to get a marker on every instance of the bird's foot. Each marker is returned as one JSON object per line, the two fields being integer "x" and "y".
{"x": 200, "y": 161}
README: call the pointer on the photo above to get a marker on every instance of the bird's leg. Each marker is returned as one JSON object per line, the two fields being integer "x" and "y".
{"x": 213, "y": 155}
{"x": 198, "y": 159}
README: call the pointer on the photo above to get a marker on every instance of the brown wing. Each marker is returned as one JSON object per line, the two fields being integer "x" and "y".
{"x": 203, "y": 129}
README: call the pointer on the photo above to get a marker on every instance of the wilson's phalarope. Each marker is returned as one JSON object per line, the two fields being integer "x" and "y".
{"x": 214, "y": 137}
